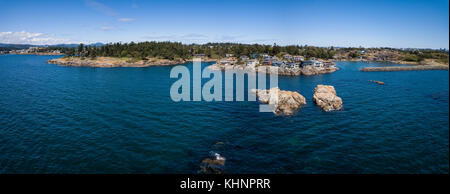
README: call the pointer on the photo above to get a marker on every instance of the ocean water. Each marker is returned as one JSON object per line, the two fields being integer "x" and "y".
{"x": 56, "y": 119}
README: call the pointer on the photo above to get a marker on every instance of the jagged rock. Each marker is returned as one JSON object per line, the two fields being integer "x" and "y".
{"x": 284, "y": 102}
{"x": 325, "y": 97}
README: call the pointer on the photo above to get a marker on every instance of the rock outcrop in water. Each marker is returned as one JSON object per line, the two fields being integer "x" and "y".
{"x": 378, "y": 82}
{"x": 311, "y": 70}
{"x": 326, "y": 98}
{"x": 283, "y": 102}
{"x": 213, "y": 165}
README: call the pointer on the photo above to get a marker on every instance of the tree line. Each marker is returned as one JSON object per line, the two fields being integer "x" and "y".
{"x": 177, "y": 50}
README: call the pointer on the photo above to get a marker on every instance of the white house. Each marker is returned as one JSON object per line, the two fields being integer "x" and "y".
{"x": 313, "y": 62}
{"x": 252, "y": 63}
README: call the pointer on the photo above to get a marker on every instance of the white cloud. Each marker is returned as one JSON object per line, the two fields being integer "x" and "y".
{"x": 24, "y": 37}
{"x": 125, "y": 19}
{"x": 97, "y": 6}
{"x": 107, "y": 28}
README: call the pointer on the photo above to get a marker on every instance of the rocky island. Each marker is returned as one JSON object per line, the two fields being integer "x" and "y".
{"x": 283, "y": 102}
{"x": 113, "y": 62}
{"x": 326, "y": 98}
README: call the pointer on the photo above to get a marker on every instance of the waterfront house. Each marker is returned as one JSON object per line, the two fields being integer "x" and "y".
{"x": 252, "y": 63}
{"x": 199, "y": 55}
{"x": 228, "y": 61}
{"x": 269, "y": 60}
{"x": 278, "y": 63}
{"x": 244, "y": 58}
{"x": 312, "y": 62}
{"x": 293, "y": 65}
{"x": 229, "y": 55}
{"x": 287, "y": 57}
{"x": 297, "y": 58}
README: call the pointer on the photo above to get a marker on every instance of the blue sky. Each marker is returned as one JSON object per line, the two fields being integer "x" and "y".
{"x": 367, "y": 23}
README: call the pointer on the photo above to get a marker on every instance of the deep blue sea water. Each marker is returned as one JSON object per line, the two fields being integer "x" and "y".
{"x": 56, "y": 119}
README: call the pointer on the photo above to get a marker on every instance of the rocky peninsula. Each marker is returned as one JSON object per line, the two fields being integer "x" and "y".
{"x": 284, "y": 71}
{"x": 113, "y": 62}
{"x": 326, "y": 98}
{"x": 283, "y": 102}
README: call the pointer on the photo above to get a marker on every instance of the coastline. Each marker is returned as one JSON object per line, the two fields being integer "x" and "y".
{"x": 113, "y": 62}
{"x": 281, "y": 71}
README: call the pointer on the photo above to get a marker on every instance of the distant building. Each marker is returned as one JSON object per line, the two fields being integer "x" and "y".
{"x": 255, "y": 55}
{"x": 229, "y": 55}
{"x": 287, "y": 57}
{"x": 297, "y": 58}
{"x": 199, "y": 55}
{"x": 313, "y": 62}
{"x": 293, "y": 65}
{"x": 228, "y": 61}
{"x": 269, "y": 60}
{"x": 252, "y": 63}
{"x": 244, "y": 58}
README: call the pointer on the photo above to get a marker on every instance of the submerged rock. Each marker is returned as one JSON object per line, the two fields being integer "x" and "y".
{"x": 213, "y": 165}
{"x": 325, "y": 97}
{"x": 284, "y": 102}
{"x": 378, "y": 82}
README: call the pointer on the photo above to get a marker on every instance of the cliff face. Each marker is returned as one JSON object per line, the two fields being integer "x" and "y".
{"x": 325, "y": 97}
{"x": 284, "y": 102}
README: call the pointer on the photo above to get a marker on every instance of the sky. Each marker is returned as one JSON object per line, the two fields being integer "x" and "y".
{"x": 342, "y": 23}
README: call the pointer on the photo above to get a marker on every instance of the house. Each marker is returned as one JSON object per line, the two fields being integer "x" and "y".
{"x": 293, "y": 65}
{"x": 269, "y": 60}
{"x": 228, "y": 61}
{"x": 255, "y": 55}
{"x": 244, "y": 58}
{"x": 252, "y": 63}
{"x": 229, "y": 55}
{"x": 297, "y": 58}
{"x": 199, "y": 55}
{"x": 287, "y": 57}
{"x": 278, "y": 63}
{"x": 361, "y": 52}
{"x": 312, "y": 62}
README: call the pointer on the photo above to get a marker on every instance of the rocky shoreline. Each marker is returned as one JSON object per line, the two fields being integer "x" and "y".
{"x": 283, "y": 102}
{"x": 113, "y": 62}
{"x": 309, "y": 70}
